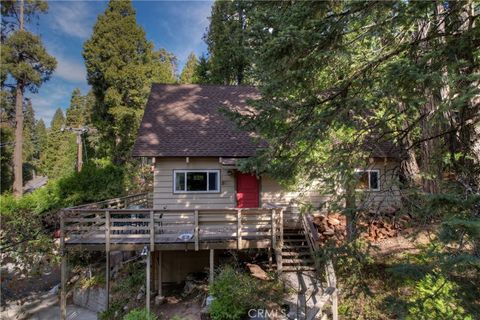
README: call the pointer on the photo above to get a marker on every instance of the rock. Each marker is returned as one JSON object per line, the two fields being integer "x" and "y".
{"x": 159, "y": 300}
{"x": 140, "y": 296}
{"x": 258, "y": 272}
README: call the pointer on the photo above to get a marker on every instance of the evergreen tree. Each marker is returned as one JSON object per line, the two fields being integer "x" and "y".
{"x": 119, "y": 62}
{"x": 164, "y": 66}
{"x": 27, "y": 63}
{"x": 29, "y": 133}
{"x": 41, "y": 143}
{"x": 6, "y": 154}
{"x": 202, "y": 71}
{"x": 334, "y": 75}
{"x": 188, "y": 75}
{"x": 59, "y": 156}
{"x": 76, "y": 111}
{"x": 227, "y": 40}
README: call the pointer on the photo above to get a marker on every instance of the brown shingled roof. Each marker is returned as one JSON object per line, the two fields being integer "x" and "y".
{"x": 184, "y": 121}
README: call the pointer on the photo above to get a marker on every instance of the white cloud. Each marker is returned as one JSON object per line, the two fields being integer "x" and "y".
{"x": 74, "y": 18}
{"x": 70, "y": 70}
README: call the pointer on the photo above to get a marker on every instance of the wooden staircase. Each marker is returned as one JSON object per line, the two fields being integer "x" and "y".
{"x": 296, "y": 254}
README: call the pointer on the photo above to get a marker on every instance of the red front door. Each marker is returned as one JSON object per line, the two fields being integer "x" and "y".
{"x": 247, "y": 191}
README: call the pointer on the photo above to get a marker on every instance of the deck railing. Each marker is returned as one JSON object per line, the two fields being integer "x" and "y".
{"x": 134, "y": 201}
{"x": 91, "y": 225}
{"x": 330, "y": 293}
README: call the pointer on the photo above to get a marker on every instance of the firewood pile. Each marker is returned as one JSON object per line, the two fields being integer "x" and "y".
{"x": 372, "y": 225}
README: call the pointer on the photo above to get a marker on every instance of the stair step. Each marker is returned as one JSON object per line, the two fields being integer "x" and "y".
{"x": 295, "y": 254}
{"x": 297, "y": 261}
{"x": 297, "y": 268}
{"x": 296, "y": 248}
{"x": 294, "y": 240}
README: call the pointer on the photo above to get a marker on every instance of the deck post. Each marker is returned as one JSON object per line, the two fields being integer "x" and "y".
{"x": 147, "y": 286}
{"x": 152, "y": 232}
{"x": 159, "y": 275}
{"x": 212, "y": 270}
{"x": 239, "y": 229}
{"x": 107, "y": 258}
{"x": 63, "y": 270}
{"x": 269, "y": 252}
{"x": 196, "y": 230}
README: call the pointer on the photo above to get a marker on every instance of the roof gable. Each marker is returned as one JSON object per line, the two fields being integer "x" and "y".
{"x": 185, "y": 121}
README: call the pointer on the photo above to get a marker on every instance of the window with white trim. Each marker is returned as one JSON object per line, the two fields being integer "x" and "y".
{"x": 196, "y": 181}
{"x": 368, "y": 180}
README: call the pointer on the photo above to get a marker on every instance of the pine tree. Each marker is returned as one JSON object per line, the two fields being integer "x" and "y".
{"x": 29, "y": 142}
{"x": 75, "y": 112}
{"x": 164, "y": 66}
{"x": 119, "y": 62}
{"x": 26, "y": 61}
{"x": 202, "y": 71}
{"x": 59, "y": 156}
{"x": 41, "y": 144}
{"x": 188, "y": 75}
{"x": 227, "y": 37}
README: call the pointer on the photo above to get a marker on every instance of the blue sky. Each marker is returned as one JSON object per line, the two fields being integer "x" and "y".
{"x": 177, "y": 26}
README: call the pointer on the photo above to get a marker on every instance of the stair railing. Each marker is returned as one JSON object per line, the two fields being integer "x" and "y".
{"x": 331, "y": 292}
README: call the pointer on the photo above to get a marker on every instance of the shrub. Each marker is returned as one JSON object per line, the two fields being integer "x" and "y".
{"x": 28, "y": 222}
{"x": 235, "y": 292}
{"x": 435, "y": 298}
{"x": 139, "y": 314}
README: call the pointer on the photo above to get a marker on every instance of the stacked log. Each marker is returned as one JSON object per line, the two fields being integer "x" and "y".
{"x": 331, "y": 227}
{"x": 373, "y": 225}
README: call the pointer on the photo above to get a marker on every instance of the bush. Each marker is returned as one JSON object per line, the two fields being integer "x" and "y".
{"x": 140, "y": 314}
{"x": 435, "y": 298}
{"x": 28, "y": 222}
{"x": 235, "y": 292}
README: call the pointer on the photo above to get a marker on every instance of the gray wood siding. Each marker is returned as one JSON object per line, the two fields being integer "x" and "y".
{"x": 164, "y": 198}
{"x": 271, "y": 192}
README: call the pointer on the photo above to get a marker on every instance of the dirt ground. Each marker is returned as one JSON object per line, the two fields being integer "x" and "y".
{"x": 406, "y": 242}
{"x": 185, "y": 309}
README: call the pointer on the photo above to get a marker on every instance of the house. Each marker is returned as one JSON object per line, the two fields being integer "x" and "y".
{"x": 194, "y": 148}
{"x": 202, "y": 204}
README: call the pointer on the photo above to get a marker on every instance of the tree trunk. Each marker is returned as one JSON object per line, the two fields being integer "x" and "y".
{"x": 350, "y": 210}
{"x": 409, "y": 170}
{"x": 18, "y": 150}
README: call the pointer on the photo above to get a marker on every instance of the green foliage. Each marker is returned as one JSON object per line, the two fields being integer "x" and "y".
{"x": 6, "y": 154}
{"x": 164, "y": 66}
{"x": 435, "y": 298}
{"x": 133, "y": 278}
{"x": 188, "y": 75}
{"x": 230, "y": 58}
{"x": 121, "y": 66}
{"x": 202, "y": 71}
{"x": 78, "y": 114}
{"x": 236, "y": 292}
{"x": 28, "y": 222}
{"x": 97, "y": 181}
{"x": 140, "y": 314}
{"x": 59, "y": 155}
{"x": 26, "y": 60}
{"x": 91, "y": 282}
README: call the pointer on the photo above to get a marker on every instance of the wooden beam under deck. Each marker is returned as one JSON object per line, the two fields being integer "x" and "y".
{"x": 231, "y": 244}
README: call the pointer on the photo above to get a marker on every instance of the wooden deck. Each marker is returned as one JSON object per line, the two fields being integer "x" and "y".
{"x": 121, "y": 224}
